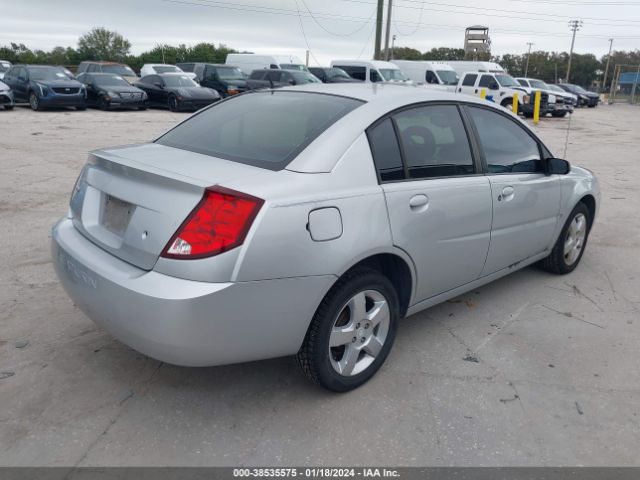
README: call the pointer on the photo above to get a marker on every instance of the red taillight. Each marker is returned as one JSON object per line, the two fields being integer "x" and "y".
{"x": 219, "y": 223}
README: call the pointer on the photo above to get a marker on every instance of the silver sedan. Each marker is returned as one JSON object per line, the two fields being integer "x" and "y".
{"x": 309, "y": 220}
{"x": 7, "y": 99}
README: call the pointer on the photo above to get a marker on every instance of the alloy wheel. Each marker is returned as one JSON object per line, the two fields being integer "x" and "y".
{"x": 575, "y": 238}
{"x": 359, "y": 333}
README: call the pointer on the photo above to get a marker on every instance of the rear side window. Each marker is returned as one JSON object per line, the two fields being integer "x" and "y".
{"x": 386, "y": 152}
{"x": 507, "y": 146}
{"x": 469, "y": 80}
{"x": 374, "y": 76}
{"x": 263, "y": 129}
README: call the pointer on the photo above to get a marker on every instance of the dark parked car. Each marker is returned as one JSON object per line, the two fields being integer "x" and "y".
{"x": 332, "y": 75}
{"x": 176, "y": 91}
{"x": 45, "y": 86}
{"x": 270, "y": 78}
{"x": 585, "y": 98}
{"x": 108, "y": 91}
{"x": 6, "y": 96}
{"x": 109, "y": 67}
{"x": 225, "y": 79}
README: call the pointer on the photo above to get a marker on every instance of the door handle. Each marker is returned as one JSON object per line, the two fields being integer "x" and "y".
{"x": 476, "y": 90}
{"x": 418, "y": 202}
{"x": 507, "y": 194}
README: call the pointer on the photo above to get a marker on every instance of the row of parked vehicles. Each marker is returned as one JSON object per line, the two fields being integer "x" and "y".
{"x": 193, "y": 85}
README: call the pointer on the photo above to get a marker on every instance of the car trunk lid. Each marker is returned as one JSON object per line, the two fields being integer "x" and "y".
{"x": 130, "y": 200}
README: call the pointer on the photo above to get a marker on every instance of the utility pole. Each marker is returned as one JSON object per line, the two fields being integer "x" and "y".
{"x": 376, "y": 48}
{"x": 393, "y": 45}
{"x": 526, "y": 69}
{"x": 606, "y": 70}
{"x": 575, "y": 26}
{"x": 386, "y": 38}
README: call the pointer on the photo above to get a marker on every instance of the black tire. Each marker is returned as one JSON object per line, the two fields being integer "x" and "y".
{"x": 173, "y": 103}
{"x": 8, "y": 107}
{"x": 142, "y": 108}
{"x": 103, "y": 104}
{"x": 527, "y": 115}
{"x": 556, "y": 262}
{"x": 559, "y": 114}
{"x": 507, "y": 103}
{"x": 34, "y": 102}
{"x": 81, "y": 108}
{"x": 315, "y": 358}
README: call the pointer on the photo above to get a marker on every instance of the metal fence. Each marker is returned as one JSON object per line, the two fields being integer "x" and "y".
{"x": 625, "y": 86}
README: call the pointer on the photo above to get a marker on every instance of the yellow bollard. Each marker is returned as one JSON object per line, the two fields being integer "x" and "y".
{"x": 536, "y": 107}
{"x": 483, "y": 93}
{"x": 514, "y": 108}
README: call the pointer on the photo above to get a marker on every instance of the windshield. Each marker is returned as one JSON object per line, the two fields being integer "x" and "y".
{"x": 555, "y": 88}
{"x": 264, "y": 129}
{"x": 448, "y": 77}
{"x": 179, "y": 81}
{"x": 579, "y": 89}
{"x": 111, "y": 81}
{"x": 118, "y": 70}
{"x": 507, "y": 80}
{"x": 230, "y": 73}
{"x": 166, "y": 69}
{"x": 44, "y": 74}
{"x": 336, "y": 73}
{"x": 293, "y": 66}
{"x": 390, "y": 74}
{"x": 538, "y": 84}
{"x": 304, "y": 77}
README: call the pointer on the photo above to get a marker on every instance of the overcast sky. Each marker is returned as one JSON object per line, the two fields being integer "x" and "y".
{"x": 333, "y": 28}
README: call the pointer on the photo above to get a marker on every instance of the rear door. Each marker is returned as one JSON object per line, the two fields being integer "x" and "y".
{"x": 468, "y": 84}
{"x": 526, "y": 201}
{"x": 438, "y": 201}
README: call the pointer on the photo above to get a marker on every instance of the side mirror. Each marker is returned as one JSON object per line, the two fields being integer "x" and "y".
{"x": 557, "y": 166}
{"x": 493, "y": 86}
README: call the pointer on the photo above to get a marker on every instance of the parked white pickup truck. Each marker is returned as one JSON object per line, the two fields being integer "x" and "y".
{"x": 500, "y": 87}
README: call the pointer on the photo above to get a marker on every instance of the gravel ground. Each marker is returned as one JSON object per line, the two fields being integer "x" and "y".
{"x": 533, "y": 369}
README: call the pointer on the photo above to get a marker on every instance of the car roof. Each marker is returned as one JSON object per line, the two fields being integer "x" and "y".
{"x": 103, "y": 62}
{"x": 172, "y": 74}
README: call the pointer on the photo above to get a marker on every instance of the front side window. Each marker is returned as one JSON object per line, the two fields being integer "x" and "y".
{"x": 267, "y": 129}
{"x": 485, "y": 81}
{"x": 507, "y": 146}
{"x": 430, "y": 77}
{"x": 469, "y": 80}
{"x": 434, "y": 142}
{"x": 359, "y": 73}
{"x": 374, "y": 76}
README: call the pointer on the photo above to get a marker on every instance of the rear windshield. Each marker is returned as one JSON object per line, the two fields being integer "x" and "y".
{"x": 118, "y": 70}
{"x": 263, "y": 129}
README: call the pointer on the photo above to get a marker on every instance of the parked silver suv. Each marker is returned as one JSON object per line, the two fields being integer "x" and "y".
{"x": 308, "y": 220}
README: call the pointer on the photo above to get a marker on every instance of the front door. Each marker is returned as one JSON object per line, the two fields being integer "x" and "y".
{"x": 438, "y": 203}
{"x": 526, "y": 201}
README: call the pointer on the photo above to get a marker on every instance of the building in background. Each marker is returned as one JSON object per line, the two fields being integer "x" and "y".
{"x": 477, "y": 44}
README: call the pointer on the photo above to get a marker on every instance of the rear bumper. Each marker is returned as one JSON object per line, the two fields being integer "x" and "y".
{"x": 185, "y": 322}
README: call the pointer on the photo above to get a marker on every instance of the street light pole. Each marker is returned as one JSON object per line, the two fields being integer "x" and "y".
{"x": 606, "y": 70}
{"x": 526, "y": 69}
{"x": 575, "y": 26}
{"x": 393, "y": 45}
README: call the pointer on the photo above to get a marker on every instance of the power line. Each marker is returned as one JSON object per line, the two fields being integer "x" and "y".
{"x": 364, "y": 24}
{"x": 281, "y": 11}
{"x": 581, "y": 3}
{"x": 555, "y": 19}
{"x": 395, "y": 24}
{"x": 304, "y": 35}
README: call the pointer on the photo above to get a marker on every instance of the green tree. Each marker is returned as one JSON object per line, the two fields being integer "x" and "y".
{"x": 406, "y": 53}
{"x": 103, "y": 44}
{"x": 444, "y": 53}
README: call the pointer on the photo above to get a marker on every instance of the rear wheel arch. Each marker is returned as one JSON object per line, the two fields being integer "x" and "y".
{"x": 396, "y": 268}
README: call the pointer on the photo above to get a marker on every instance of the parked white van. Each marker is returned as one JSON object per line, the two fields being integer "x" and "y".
{"x": 372, "y": 70}
{"x": 463, "y": 66}
{"x": 248, "y": 62}
{"x": 431, "y": 73}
